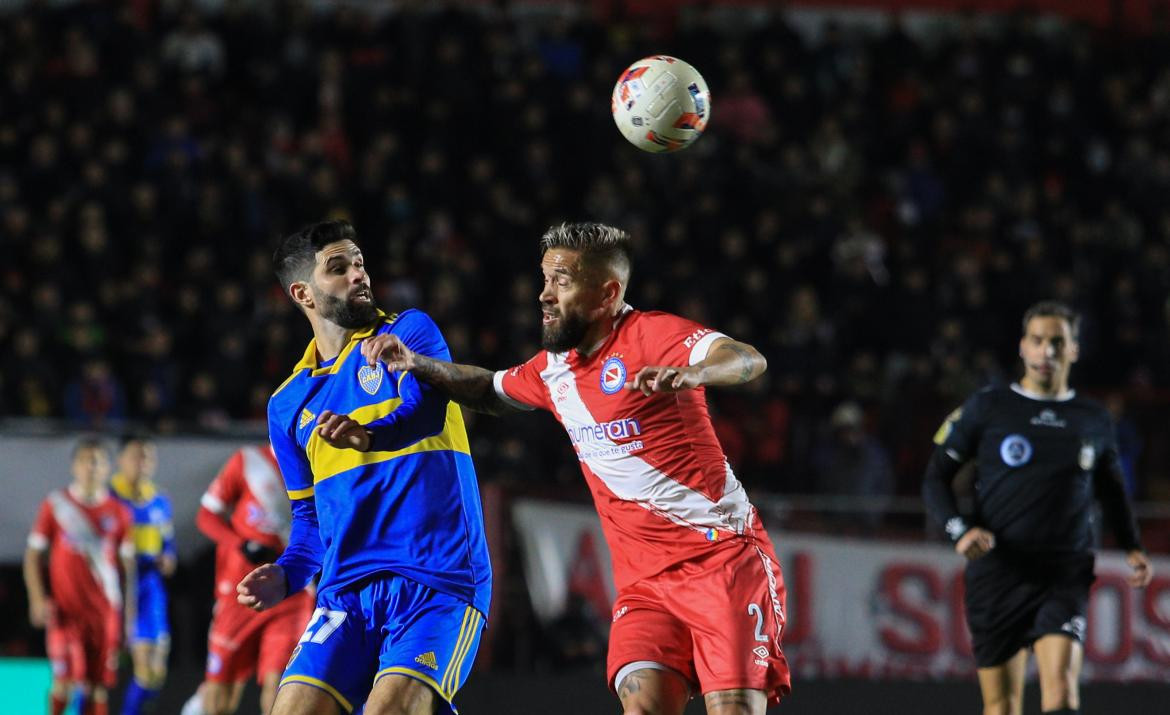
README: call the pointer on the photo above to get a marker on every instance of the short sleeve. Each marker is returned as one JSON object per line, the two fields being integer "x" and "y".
{"x": 294, "y": 465}
{"x": 679, "y": 340}
{"x": 522, "y": 386}
{"x": 43, "y": 528}
{"x": 959, "y": 434}
{"x": 227, "y": 487}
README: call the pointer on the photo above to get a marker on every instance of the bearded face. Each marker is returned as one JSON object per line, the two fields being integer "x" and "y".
{"x": 563, "y": 333}
{"x": 356, "y": 310}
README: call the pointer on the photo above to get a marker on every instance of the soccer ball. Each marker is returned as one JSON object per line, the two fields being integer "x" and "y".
{"x": 661, "y": 104}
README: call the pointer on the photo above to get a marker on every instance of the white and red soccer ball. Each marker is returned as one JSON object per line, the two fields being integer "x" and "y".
{"x": 661, "y": 104}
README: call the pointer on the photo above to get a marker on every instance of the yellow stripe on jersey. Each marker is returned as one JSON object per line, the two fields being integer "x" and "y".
{"x": 148, "y": 539}
{"x": 308, "y": 360}
{"x": 300, "y": 493}
{"x": 327, "y": 461}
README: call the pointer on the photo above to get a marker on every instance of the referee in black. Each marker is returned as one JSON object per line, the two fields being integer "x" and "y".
{"x": 1041, "y": 455}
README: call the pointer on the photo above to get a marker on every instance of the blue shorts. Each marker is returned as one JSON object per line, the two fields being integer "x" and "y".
{"x": 151, "y": 623}
{"x": 386, "y": 625}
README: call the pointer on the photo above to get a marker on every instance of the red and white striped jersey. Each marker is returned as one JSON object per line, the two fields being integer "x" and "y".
{"x": 248, "y": 492}
{"x": 84, "y": 542}
{"x": 661, "y": 483}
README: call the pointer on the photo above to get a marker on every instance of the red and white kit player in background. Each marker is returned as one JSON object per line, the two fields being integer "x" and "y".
{"x": 246, "y": 513}
{"x": 86, "y": 533}
{"x": 700, "y": 603}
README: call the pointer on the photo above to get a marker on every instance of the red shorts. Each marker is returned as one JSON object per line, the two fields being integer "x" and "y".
{"x": 717, "y": 620}
{"x": 83, "y": 648}
{"x": 242, "y": 642}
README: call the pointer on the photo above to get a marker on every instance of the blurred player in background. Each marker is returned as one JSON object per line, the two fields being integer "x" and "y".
{"x": 700, "y": 604}
{"x": 1041, "y": 454}
{"x": 85, "y": 532}
{"x": 246, "y": 513}
{"x": 385, "y": 503}
{"x": 153, "y": 535}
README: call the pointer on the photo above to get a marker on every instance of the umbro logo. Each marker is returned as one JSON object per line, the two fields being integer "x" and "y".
{"x": 306, "y": 418}
{"x": 1047, "y": 418}
{"x": 427, "y": 659}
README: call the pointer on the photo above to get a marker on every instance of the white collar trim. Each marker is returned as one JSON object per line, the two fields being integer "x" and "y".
{"x": 1062, "y": 397}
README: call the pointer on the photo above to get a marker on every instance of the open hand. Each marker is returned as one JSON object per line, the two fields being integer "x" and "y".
{"x": 263, "y": 588}
{"x": 389, "y": 349}
{"x": 342, "y": 431}
{"x": 664, "y": 378}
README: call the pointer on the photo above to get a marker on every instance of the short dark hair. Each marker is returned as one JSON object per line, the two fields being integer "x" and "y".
{"x": 1053, "y": 309}
{"x": 294, "y": 259}
{"x": 129, "y": 438}
{"x": 597, "y": 242}
{"x": 87, "y": 442}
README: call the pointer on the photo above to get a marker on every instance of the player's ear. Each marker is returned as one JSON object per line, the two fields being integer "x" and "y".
{"x": 301, "y": 295}
{"x": 611, "y": 292}
{"x": 1074, "y": 351}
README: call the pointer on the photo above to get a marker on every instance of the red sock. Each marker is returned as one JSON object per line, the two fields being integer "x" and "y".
{"x": 57, "y": 704}
{"x": 96, "y": 708}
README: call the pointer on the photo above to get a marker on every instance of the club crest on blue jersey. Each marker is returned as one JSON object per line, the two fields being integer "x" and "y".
{"x": 613, "y": 375}
{"x": 370, "y": 378}
{"x": 1015, "y": 450}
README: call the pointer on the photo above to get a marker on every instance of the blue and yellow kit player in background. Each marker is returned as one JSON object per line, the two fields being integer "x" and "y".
{"x": 153, "y": 534}
{"x": 384, "y": 499}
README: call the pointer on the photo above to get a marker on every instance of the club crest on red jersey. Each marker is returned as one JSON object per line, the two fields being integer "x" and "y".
{"x": 613, "y": 375}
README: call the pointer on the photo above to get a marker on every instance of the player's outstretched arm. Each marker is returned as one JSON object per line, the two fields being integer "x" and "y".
{"x": 728, "y": 362}
{"x": 469, "y": 385}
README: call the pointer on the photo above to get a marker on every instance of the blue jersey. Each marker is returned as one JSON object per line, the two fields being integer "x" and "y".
{"x": 153, "y": 530}
{"x": 410, "y": 505}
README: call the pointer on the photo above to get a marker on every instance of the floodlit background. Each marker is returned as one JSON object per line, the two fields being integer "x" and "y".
{"x": 884, "y": 187}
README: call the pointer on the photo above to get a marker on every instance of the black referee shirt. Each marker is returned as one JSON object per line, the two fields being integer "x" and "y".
{"x": 1039, "y": 464}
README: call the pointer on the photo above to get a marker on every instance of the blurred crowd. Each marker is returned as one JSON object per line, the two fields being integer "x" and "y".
{"x": 873, "y": 211}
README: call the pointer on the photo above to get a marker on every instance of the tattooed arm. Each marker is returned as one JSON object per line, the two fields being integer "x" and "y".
{"x": 468, "y": 385}
{"x": 736, "y": 702}
{"x": 728, "y": 362}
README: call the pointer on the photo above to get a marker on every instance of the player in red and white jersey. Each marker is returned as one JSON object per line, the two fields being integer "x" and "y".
{"x": 246, "y": 512}
{"x": 85, "y": 532}
{"x": 700, "y": 603}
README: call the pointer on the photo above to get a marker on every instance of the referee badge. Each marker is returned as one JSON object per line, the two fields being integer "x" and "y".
{"x": 1088, "y": 456}
{"x": 1015, "y": 450}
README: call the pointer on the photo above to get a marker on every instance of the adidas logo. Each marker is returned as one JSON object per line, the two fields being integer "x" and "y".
{"x": 306, "y": 418}
{"x": 427, "y": 659}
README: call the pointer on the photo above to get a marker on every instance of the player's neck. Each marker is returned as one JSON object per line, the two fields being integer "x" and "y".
{"x": 1053, "y": 390}
{"x": 330, "y": 338}
{"x": 88, "y": 496}
{"x": 598, "y": 333}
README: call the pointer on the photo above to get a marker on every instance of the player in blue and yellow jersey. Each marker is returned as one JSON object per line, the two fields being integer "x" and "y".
{"x": 153, "y": 535}
{"x": 384, "y": 500}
